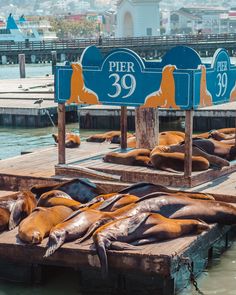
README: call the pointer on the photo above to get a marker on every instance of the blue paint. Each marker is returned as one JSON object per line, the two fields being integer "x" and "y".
{"x": 123, "y": 78}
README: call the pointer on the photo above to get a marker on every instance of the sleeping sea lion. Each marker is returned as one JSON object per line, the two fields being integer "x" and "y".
{"x": 72, "y": 140}
{"x": 144, "y": 188}
{"x": 138, "y": 157}
{"x": 38, "y": 224}
{"x": 4, "y": 219}
{"x": 80, "y": 189}
{"x": 112, "y": 136}
{"x": 143, "y": 228}
{"x": 55, "y": 198}
{"x": 19, "y": 206}
{"x": 78, "y": 223}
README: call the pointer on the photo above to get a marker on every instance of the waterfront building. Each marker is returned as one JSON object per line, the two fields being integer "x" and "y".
{"x": 137, "y": 18}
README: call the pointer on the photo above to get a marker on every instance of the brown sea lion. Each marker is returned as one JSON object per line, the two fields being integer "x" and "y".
{"x": 79, "y": 92}
{"x": 233, "y": 93}
{"x": 218, "y": 134}
{"x": 138, "y": 157}
{"x": 38, "y": 224}
{"x": 144, "y": 188}
{"x": 140, "y": 229}
{"x": 55, "y": 198}
{"x": 19, "y": 206}
{"x": 4, "y": 218}
{"x": 112, "y": 136}
{"x": 72, "y": 140}
{"x": 80, "y": 189}
{"x": 78, "y": 223}
{"x": 165, "y": 96}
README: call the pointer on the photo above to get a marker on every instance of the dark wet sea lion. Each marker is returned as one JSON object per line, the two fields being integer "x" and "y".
{"x": 138, "y": 157}
{"x": 144, "y": 188}
{"x": 19, "y": 205}
{"x": 38, "y": 224}
{"x": 55, "y": 198}
{"x": 80, "y": 189}
{"x": 141, "y": 229}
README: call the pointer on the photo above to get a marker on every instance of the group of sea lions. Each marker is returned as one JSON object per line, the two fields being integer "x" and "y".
{"x": 77, "y": 210}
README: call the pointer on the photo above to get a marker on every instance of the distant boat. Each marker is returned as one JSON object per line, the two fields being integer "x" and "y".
{"x": 23, "y": 30}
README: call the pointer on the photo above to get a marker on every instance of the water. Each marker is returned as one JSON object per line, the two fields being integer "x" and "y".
{"x": 218, "y": 279}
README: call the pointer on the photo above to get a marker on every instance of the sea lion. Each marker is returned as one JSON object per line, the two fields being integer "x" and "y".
{"x": 205, "y": 95}
{"x": 80, "y": 189}
{"x": 233, "y": 93}
{"x": 144, "y": 188}
{"x": 79, "y": 92}
{"x": 78, "y": 223}
{"x": 4, "y": 218}
{"x": 141, "y": 229}
{"x": 19, "y": 206}
{"x": 165, "y": 96}
{"x": 38, "y": 224}
{"x": 138, "y": 157}
{"x": 55, "y": 198}
{"x": 112, "y": 136}
{"x": 72, "y": 140}
{"x": 204, "y": 151}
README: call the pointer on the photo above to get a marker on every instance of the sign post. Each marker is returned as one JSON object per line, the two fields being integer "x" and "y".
{"x": 61, "y": 134}
{"x": 123, "y": 127}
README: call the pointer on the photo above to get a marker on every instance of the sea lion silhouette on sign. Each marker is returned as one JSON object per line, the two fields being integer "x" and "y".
{"x": 79, "y": 92}
{"x": 165, "y": 96}
{"x": 205, "y": 95}
{"x": 233, "y": 93}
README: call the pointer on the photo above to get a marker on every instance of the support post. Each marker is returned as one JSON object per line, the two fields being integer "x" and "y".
{"x": 54, "y": 61}
{"x": 123, "y": 127}
{"x": 146, "y": 127}
{"x": 61, "y": 134}
{"x": 188, "y": 143}
{"x": 21, "y": 58}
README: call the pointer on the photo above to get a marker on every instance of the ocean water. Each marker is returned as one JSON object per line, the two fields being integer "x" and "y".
{"x": 219, "y": 278}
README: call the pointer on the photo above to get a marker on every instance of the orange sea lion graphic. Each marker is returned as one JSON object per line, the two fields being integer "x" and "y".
{"x": 205, "y": 96}
{"x": 79, "y": 93}
{"x": 233, "y": 93}
{"x": 165, "y": 96}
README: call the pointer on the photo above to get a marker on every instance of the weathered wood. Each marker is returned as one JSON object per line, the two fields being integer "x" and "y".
{"x": 188, "y": 143}
{"x": 21, "y": 58}
{"x": 54, "y": 60}
{"x": 123, "y": 127}
{"x": 61, "y": 134}
{"x": 146, "y": 127}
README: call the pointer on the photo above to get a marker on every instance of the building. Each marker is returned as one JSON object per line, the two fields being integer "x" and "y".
{"x": 137, "y": 18}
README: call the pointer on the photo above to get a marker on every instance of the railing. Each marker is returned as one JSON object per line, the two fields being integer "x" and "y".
{"x": 118, "y": 42}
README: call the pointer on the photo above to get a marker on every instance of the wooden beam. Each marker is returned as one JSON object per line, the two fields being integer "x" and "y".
{"x": 188, "y": 143}
{"x": 61, "y": 134}
{"x": 54, "y": 60}
{"x": 146, "y": 127}
{"x": 21, "y": 58}
{"x": 123, "y": 127}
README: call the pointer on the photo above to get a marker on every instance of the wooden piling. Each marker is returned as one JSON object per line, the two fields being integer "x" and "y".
{"x": 61, "y": 134}
{"x": 188, "y": 143}
{"x": 21, "y": 58}
{"x": 54, "y": 60}
{"x": 146, "y": 127}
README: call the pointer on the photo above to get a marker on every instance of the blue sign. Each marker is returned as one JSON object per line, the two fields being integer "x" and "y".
{"x": 179, "y": 81}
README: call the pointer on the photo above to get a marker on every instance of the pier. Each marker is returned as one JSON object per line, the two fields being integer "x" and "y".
{"x": 148, "y": 47}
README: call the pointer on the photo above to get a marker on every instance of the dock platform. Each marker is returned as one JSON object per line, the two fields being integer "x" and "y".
{"x": 159, "y": 268}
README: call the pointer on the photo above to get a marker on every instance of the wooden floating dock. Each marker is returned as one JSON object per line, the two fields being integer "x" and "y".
{"x": 17, "y": 108}
{"x": 158, "y": 267}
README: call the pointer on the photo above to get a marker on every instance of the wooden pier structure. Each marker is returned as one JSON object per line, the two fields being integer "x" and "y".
{"x": 161, "y": 267}
{"x": 148, "y": 47}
